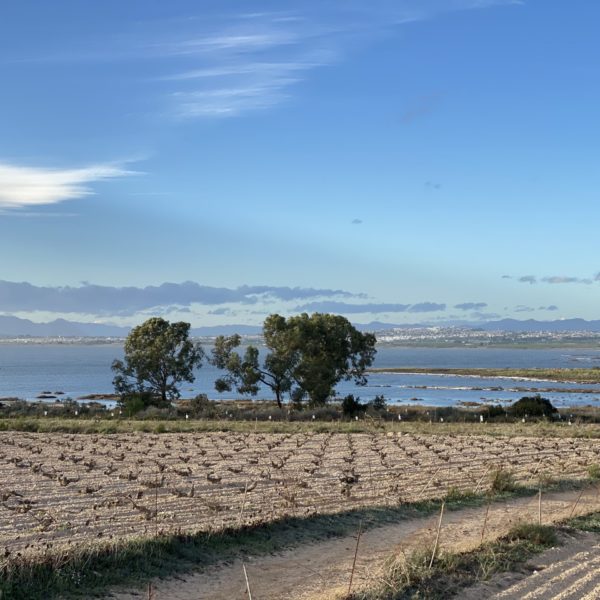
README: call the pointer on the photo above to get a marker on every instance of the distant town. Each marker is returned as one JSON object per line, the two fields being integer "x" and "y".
{"x": 431, "y": 336}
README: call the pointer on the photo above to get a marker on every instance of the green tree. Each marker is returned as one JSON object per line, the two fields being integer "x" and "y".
{"x": 158, "y": 356}
{"x": 330, "y": 349}
{"x": 245, "y": 373}
{"x": 311, "y": 353}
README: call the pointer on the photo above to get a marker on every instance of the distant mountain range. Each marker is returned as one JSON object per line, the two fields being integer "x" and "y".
{"x": 17, "y": 327}
{"x": 531, "y": 325}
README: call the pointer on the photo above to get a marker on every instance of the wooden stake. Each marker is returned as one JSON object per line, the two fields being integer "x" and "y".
{"x": 150, "y": 591}
{"x": 487, "y": 510}
{"x": 437, "y": 536}
{"x": 540, "y": 506}
{"x": 156, "y": 505}
{"x": 247, "y": 582}
{"x": 481, "y": 479}
{"x": 576, "y": 503}
{"x": 428, "y": 483}
{"x": 243, "y": 504}
{"x": 355, "y": 555}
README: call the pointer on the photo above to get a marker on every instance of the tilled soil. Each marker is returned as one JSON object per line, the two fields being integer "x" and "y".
{"x": 568, "y": 572}
{"x": 322, "y": 570}
{"x": 60, "y": 491}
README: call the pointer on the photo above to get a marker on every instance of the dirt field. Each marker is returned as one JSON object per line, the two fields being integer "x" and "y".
{"x": 321, "y": 571}
{"x": 571, "y": 570}
{"x": 59, "y": 490}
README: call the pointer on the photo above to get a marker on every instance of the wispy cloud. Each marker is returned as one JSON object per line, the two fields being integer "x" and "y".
{"x": 351, "y": 308}
{"x": 225, "y": 64}
{"x": 427, "y": 307}
{"x": 372, "y": 307}
{"x": 471, "y": 306}
{"x": 566, "y": 279}
{"x": 250, "y": 64}
{"x": 253, "y": 61}
{"x": 25, "y": 186}
{"x": 554, "y": 279}
{"x": 523, "y": 308}
{"x": 528, "y": 279}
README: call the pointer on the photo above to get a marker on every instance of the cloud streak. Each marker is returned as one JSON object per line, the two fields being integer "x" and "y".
{"x": 125, "y": 301}
{"x": 254, "y": 60}
{"x": 554, "y": 279}
{"x": 471, "y": 306}
{"x": 26, "y": 187}
{"x": 383, "y": 307}
{"x": 220, "y": 64}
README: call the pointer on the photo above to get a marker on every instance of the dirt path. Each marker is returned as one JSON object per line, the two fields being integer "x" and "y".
{"x": 323, "y": 568}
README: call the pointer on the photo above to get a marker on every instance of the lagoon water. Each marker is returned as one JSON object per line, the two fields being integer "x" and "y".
{"x": 26, "y": 370}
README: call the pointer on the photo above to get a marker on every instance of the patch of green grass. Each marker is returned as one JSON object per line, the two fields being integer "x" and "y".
{"x": 538, "y": 535}
{"x": 594, "y": 471}
{"x": 589, "y": 522}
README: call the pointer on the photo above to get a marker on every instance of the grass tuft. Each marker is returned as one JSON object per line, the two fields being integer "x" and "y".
{"x": 502, "y": 480}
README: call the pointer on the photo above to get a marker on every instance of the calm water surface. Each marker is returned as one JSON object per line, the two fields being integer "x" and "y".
{"x": 26, "y": 370}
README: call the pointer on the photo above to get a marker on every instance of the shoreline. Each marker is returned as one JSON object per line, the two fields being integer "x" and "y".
{"x": 577, "y": 375}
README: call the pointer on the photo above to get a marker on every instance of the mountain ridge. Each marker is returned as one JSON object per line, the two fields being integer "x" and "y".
{"x": 11, "y": 326}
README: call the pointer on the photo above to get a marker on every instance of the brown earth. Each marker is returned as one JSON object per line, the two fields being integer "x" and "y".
{"x": 322, "y": 570}
{"x": 571, "y": 570}
{"x": 62, "y": 491}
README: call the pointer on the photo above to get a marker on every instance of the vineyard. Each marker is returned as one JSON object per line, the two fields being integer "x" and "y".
{"x": 59, "y": 491}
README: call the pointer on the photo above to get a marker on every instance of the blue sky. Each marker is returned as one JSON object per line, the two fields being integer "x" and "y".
{"x": 432, "y": 160}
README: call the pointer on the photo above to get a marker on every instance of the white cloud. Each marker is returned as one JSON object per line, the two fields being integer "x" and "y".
{"x": 253, "y": 61}
{"x": 24, "y": 187}
{"x": 224, "y": 64}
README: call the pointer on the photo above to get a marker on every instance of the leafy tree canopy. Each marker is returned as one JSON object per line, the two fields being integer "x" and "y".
{"x": 158, "y": 356}
{"x": 245, "y": 373}
{"x": 330, "y": 349}
{"x": 306, "y": 356}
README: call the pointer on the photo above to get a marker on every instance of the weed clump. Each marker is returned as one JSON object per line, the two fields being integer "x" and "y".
{"x": 594, "y": 471}
{"x": 502, "y": 480}
{"x": 538, "y": 535}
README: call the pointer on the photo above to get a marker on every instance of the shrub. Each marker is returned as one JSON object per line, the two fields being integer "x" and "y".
{"x": 132, "y": 405}
{"x": 533, "y": 406}
{"x": 352, "y": 406}
{"x": 501, "y": 481}
{"x": 153, "y": 412}
{"x": 378, "y": 403}
{"x": 540, "y": 535}
{"x": 136, "y": 401}
{"x": 594, "y": 471}
{"x": 199, "y": 404}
